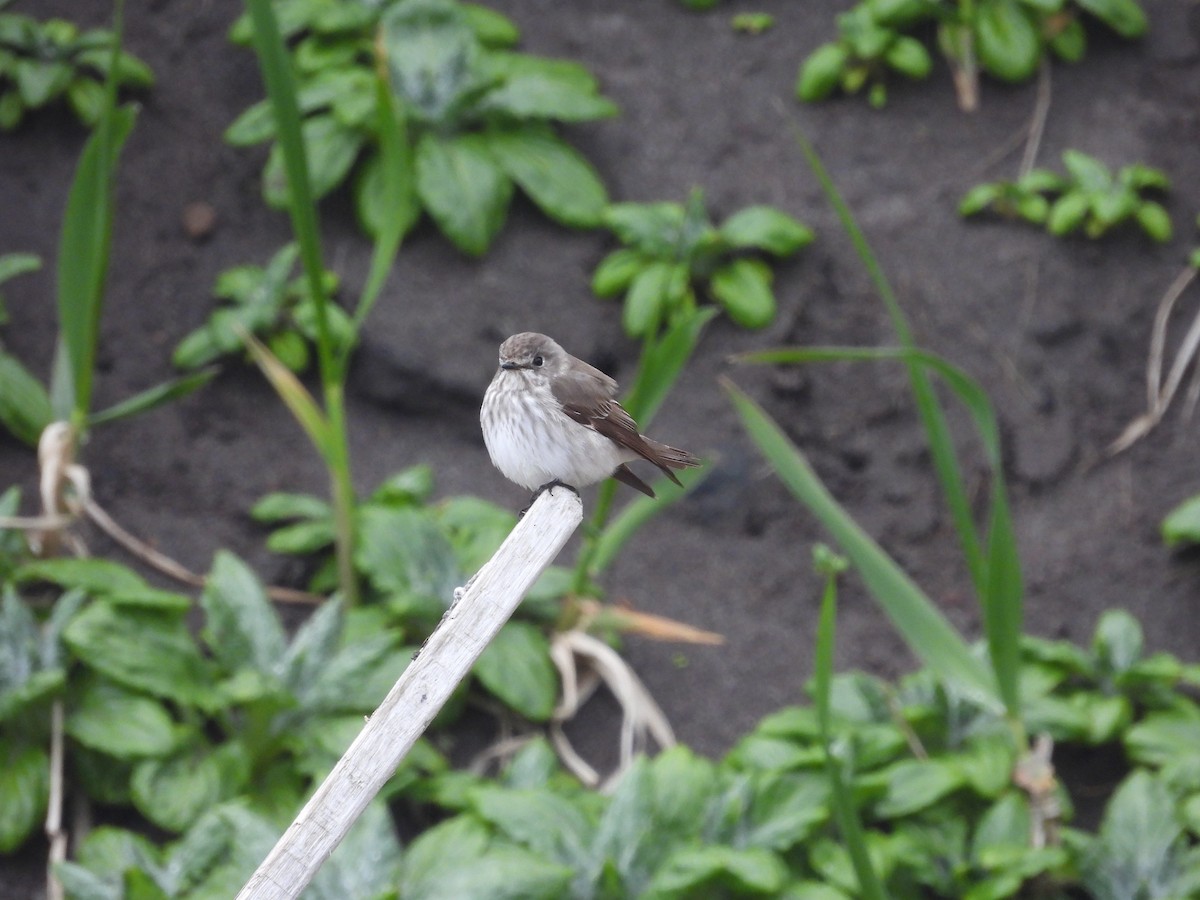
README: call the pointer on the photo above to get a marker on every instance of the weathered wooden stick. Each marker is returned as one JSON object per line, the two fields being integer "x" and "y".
{"x": 484, "y": 606}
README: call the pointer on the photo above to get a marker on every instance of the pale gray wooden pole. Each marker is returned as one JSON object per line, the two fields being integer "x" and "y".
{"x": 468, "y": 626}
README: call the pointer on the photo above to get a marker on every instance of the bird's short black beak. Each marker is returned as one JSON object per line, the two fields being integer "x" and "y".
{"x": 509, "y": 364}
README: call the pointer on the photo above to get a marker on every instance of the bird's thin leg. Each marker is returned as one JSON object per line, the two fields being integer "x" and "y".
{"x": 549, "y": 485}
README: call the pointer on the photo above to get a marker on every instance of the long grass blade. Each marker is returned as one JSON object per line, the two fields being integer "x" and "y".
{"x": 294, "y": 395}
{"x": 1003, "y": 590}
{"x": 153, "y": 397}
{"x": 844, "y": 810}
{"x": 915, "y": 616}
{"x": 941, "y": 446}
{"x": 662, "y": 363}
{"x": 281, "y": 91}
{"x": 637, "y": 513}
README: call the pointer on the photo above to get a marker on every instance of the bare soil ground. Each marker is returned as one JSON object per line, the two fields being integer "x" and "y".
{"x": 1056, "y": 330}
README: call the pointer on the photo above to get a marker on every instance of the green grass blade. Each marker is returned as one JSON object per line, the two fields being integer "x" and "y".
{"x": 294, "y": 395}
{"x": 840, "y": 794}
{"x": 146, "y": 400}
{"x": 637, "y": 513}
{"x": 281, "y": 91}
{"x": 945, "y": 462}
{"x": 662, "y": 363}
{"x": 83, "y": 251}
{"x": 921, "y": 624}
{"x": 1001, "y": 597}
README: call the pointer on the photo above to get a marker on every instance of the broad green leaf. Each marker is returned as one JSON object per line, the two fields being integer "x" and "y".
{"x": 786, "y": 809}
{"x": 95, "y": 577}
{"x": 151, "y": 398}
{"x": 535, "y": 88}
{"x": 312, "y": 648}
{"x": 147, "y": 650}
{"x": 357, "y": 677}
{"x": 646, "y": 299}
{"x": 303, "y": 538}
{"x": 1070, "y": 43}
{"x": 1182, "y": 524}
{"x": 432, "y": 57}
{"x": 715, "y": 870}
{"x": 616, "y": 271}
{"x": 1162, "y": 737}
{"x": 516, "y": 668}
{"x": 542, "y": 820}
{"x": 1155, "y": 220}
{"x": 1125, "y": 17}
{"x": 371, "y": 201}
{"x": 1002, "y": 827}
{"x": 277, "y": 507}
{"x": 463, "y": 189}
{"x": 331, "y": 150}
{"x": 653, "y": 228}
{"x": 476, "y": 529}
{"x": 120, "y": 723}
{"x": 909, "y": 57}
{"x": 174, "y": 792}
{"x": 913, "y": 785}
{"x": 241, "y": 627}
{"x": 402, "y": 551}
{"x": 40, "y": 81}
{"x": 1067, "y": 213}
{"x": 743, "y": 288}
{"x": 1137, "y": 853}
{"x": 766, "y": 228}
{"x": 1007, "y": 40}
{"x": 555, "y": 176}
{"x": 683, "y": 786}
{"x": 978, "y": 199}
{"x": 822, "y": 72}
{"x": 1088, "y": 172}
{"x": 24, "y": 787}
{"x": 492, "y": 28}
{"x": 1117, "y": 643}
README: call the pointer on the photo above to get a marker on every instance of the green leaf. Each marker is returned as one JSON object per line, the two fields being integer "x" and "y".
{"x": 909, "y": 57}
{"x": 120, "y": 723}
{"x": 24, "y": 788}
{"x": 715, "y": 870}
{"x": 1155, "y": 220}
{"x": 432, "y": 57}
{"x": 1125, "y": 17}
{"x": 535, "y": 88}
{"x": 913, "y": 785}
{"x": 663, "y": 361}
{"x": 1137, "y": 853}
{"x": 83, "y": 258}
{"x": 492, "y": 28}
{"x": 554, "y": 175}
{"x": 978, "y": 199}
{"x": 147, "y": 650}
{"x": 277, "y": 507}
{"x": 241, "y": 627}
{"x": 546, "y": 822}
{"x": 371, "y": 200}
{"x": 96, "y": 577}
{"x": 464, "y": 190}
{"x": 1007, "y": 40}
{"x": 303, "y": 538}
{"x": 646, "y": 299}
{"x": 1067, "y": 213}
{"x": 1070, "y": 43}
{"x": 14, "y": 264}
{"x": 24, "y": 404}
{"x": 616, "y": 271}
{"x": 1091, "y": 175}
{"x": 331, "y": 149}
{"x": 743, "y": 288}
{"x": 312, "y": 647}
{"x": 402, "y": 551}
{"x": 924, "y": 627}
{"x": 40, "y": 81}
{"x": 822, "y": 72}
{"x": 365, "y": 864}
{"x": 766, "y": 228}
{"x": 151, "y": 398}
{"x": 1182, "y": 524}
{"x": 1162, "y": 737}
{"x": 516, "y": 668}
{"x": 174, "y": 792}
{"x": 653, "y": 228}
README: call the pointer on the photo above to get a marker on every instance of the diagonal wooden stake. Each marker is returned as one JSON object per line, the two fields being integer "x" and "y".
{"x": 468, "y": 626}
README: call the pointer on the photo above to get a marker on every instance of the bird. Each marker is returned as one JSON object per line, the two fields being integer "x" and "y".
{"x": 551, "y": 419}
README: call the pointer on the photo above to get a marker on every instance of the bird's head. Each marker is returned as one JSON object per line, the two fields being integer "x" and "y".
{"x": 530, "y": 352}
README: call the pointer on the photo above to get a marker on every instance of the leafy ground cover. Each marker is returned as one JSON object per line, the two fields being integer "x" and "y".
{"x": 1056, "y": 331}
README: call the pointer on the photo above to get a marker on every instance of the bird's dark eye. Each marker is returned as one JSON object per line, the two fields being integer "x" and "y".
{"x": 537, "y": 360}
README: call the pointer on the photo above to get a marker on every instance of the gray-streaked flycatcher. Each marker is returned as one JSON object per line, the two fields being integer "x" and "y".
{"x": 550, "y": 418}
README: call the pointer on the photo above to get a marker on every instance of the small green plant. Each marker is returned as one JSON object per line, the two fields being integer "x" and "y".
{"x": 1009, "y": 39}
{"x": 752, "y": 23}
{"x": 43, "y": 61}
{"x": 671, "y": 248}
{"x": 271, "y": 303}
{"x": 479, "y": 116}
{"x": 1089, "y": 198}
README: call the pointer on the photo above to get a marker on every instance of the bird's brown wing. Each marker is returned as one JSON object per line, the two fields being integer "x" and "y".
{"x": 582, "y": 397}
